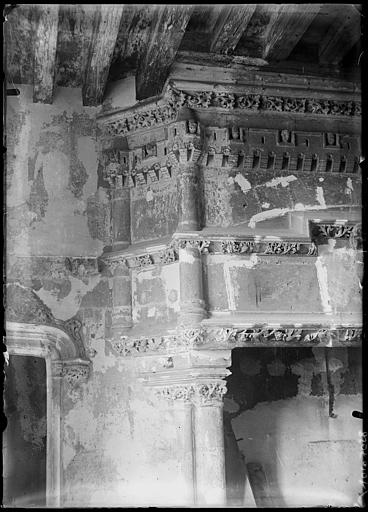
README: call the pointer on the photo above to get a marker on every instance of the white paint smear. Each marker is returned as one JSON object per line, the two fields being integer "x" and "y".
{"x": 282, "y": 180}
{"x": 323, "y": 285}
{"x": 265, "y": 205}
{"x": 270, "y": 214}
{"x": 349, "y": 186}
{"x": 320, "y": 197}
{"x": 185, "y": 256}
{"x": 243, "y": 183}
{"x": 149, "y": 195}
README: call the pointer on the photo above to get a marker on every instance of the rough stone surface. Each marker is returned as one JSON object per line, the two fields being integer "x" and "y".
{"x": 278, "y": 403}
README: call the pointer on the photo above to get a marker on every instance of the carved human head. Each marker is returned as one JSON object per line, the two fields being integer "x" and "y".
{"x": 331, "y": 138}
{"x": 285, "y": 135}
{"x": 235, "y": 134}
{"x": 226, "y": 151}
{"x": 150, "y": 149}
{"x": 211, "y": 150}
{"x": 192, "y": 126}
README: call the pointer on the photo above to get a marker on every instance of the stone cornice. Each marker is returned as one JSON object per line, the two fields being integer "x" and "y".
{"x": 143, "y": 117}
{"x": 235, "y": 337}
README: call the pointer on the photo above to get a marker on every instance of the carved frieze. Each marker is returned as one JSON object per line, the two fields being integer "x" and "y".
{"x": 231, "y": 337}
{"x": 320, "y": 231}
{"x": 201, "y": 394}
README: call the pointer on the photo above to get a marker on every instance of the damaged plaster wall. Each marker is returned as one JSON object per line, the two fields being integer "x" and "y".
{"x": 114, "y": 447}
{"x": 54, "y": 205}
{"x": 155, "y": 296}
{"x": 279, "y": 403}
{"x": 234, "y": 197}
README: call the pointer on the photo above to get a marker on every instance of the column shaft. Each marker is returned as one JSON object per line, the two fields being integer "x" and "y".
{"x": 189, "y": 192}
{"x": 120, "y": 212}
{"x": 192, "y": 305}
{"x": 209, "y": 455}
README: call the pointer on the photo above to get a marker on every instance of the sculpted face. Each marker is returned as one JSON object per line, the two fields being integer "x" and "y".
{"x": 211, "y": 151}
{"x": 192, "y": 127}
{"x": 331, "y": 139}
{"x": 150, "y": 150}
{"x": 226, "y": 151}
{"x": 235, "y": 132}
{"x": 284, "y": 135}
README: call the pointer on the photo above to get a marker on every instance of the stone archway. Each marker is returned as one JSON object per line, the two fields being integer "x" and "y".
{"x": 38, "y": 334}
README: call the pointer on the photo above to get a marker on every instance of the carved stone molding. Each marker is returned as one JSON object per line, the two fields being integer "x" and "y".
{"x": 207, "y": 246}
{"x": 264, "y": 336}
{"x": 201, "y": 394}
{"x": 229, "y": 101}
{"x": 231, "y": 337}
{"x": 336, "y": 230}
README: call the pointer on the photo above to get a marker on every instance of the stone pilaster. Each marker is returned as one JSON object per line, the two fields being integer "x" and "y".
{"x": 189, "y": 196}
{"x": 196, "y": 391}
{"x": 209, "y": 443}
{"x": 192, "y": 304}
{"x": 120, "y": 214}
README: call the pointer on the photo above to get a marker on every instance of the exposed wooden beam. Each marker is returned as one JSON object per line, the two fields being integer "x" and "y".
{"x": 105, "y": 31}
{"x": 164, "y": 40}
{"x": 342, "y": 35}
{"x": 230, "y": 26}
{"x": 45, "y": 53}
{"x": 288, "y": 27}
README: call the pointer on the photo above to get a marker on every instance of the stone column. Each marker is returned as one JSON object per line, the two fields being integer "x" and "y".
{"x": 122, "y": 298}
{"x": 209, "y": 444}
{"x": 192, "y": 304}
{"x": 120, "y": 213}
{"x": 189, "y": 194}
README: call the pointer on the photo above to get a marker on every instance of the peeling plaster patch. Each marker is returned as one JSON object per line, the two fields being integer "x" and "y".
{"x": 320, "y": 197}
{"x": 230, "y": 405}
{"x": 151, "y": 312}
{"x": 282, "y": 180}
{"x": 349, "y": 187}
{"x": 323, "y": 285}
{"x": 265, "y": 205}
{"x": 185, "y": 256}
{"x": 170, "y": 277}
{"x": 230, "y": 289}
{"x": 64, "y": 309}
{"x": 230, "y": 180}
{"x": 149, "y": 195}
{"x": 321, "y": 179}
{"x": 243, "y": 183}
{"x": 270, "y": 214}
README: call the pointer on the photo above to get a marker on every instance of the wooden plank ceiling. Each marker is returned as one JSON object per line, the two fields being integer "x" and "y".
{"x": 88, "y": 46}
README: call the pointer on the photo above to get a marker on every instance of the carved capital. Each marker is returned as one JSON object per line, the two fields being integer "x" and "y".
{"x": 209, "y": 394}
{"x": 180, "y": 392}
{"x": 76, "y": 372}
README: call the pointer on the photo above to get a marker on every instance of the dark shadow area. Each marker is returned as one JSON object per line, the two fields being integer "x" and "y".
{"x": 24, "y": 440}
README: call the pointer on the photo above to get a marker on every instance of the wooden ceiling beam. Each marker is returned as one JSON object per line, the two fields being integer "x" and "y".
{"x": 230, "y": 26}
{"x": 45, "y": 53}
{"x": 341, "y": 36}
{"x": 105, "y": 32}
{"x": 164, "y": 39}
{"x": 288, "y": 27}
